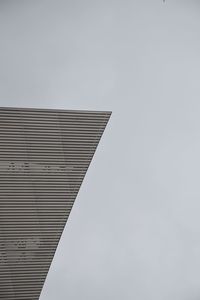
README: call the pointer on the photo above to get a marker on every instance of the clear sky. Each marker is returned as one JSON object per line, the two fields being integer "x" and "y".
{"x": 134, "y": 231}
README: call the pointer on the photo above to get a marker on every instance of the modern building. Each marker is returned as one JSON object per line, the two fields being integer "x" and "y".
{"x": 44, "y": 156}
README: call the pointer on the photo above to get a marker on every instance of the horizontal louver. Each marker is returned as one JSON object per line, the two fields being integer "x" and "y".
{"x": 44, "y": 156}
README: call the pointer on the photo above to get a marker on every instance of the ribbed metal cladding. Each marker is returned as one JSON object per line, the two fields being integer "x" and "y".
{"x": 44, "y": 156}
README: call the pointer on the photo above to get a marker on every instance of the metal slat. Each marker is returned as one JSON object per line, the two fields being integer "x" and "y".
{"x": 44, "y": 156}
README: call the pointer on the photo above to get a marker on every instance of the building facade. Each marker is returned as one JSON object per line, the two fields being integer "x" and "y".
{"x": 44, "y": 156}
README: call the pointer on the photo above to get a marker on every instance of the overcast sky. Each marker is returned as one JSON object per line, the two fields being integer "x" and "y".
{"x": 134, "y": 231}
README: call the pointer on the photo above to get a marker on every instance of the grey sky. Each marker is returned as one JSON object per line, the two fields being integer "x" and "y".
{"x": 134, "y": 232}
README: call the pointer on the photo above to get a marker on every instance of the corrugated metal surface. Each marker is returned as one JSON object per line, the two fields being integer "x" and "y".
{"x": 44, "y": 155}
